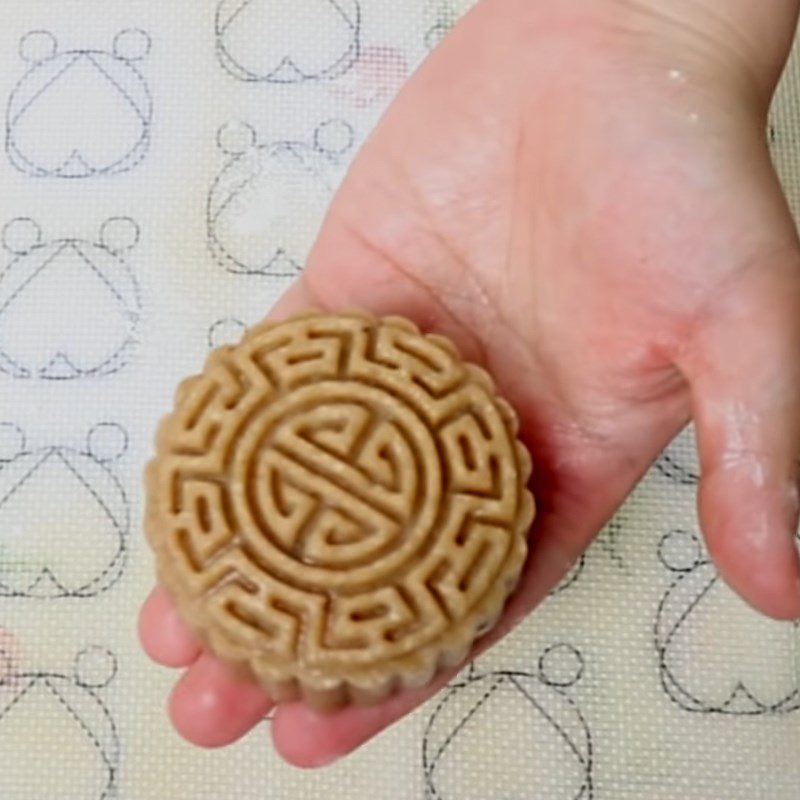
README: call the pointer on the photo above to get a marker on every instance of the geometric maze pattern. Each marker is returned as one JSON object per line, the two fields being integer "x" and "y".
{"x": 339, "y": 502}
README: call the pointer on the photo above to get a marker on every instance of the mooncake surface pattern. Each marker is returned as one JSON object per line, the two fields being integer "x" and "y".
{"x": 338, "y": 504}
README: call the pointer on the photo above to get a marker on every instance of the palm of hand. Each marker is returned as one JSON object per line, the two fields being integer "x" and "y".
{"x": 612, "y": 244}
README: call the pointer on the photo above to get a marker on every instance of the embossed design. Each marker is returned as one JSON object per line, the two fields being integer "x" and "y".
{"x": 340, "y": 500}
{"x": 713, "y": 649}
{"x": 284, "y": 53}
{"x": 477, "y": 709}
{"x": 80, "y": 94}
{"x": 59, "y": 713}
{"x": 265, "y": 207}
{"x": 69, "y": 308}
{"x": 64, "y": 516}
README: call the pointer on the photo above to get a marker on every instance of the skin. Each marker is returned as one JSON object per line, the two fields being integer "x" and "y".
{"x": 581, "y": 196}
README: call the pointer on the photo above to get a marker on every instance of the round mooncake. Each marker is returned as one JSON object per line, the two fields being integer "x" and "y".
{"x": 338, "y": 506}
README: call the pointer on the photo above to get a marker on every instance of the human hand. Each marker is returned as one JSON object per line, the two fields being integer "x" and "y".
{"x": 582, "y": 198}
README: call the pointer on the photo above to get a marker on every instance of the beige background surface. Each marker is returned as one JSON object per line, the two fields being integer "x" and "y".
{"x": 661, "y": 653}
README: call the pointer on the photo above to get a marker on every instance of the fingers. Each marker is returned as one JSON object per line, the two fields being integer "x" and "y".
{"x": 164, "y": 635}
{"x": 211, "y": 706}
{"x": 744, "y": 368}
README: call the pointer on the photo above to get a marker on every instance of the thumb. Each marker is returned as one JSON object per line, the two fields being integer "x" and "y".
{"x": 744, "y": 370}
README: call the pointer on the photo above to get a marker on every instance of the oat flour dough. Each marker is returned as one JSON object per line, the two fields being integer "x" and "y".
{"x": 338, "y": 504}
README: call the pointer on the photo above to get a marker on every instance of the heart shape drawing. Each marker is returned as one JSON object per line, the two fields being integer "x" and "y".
{"x": 63, "y": 714}
{"x": 270, "y": 41}
{"x": 45, "y": 137}
{"x": 540, "y": 726}
{"x": 69, "y": 308}
{"x": 64, "y": 517}
{"x": 716, "y": 654}
{"x": 267, "y": 204}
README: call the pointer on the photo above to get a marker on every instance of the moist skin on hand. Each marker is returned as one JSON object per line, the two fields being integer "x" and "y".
{"x": 338, "y": 506}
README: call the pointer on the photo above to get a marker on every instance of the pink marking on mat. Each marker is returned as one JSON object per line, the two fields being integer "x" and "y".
{"x": 10, "y": 660}
{"x": 375, "y": 78}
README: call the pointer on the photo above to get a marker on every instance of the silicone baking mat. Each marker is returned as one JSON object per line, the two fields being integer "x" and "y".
{"x": 166, "y": 167}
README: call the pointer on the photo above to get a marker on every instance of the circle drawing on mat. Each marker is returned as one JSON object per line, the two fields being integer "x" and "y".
{"x": 21, "y": 235}
{"x": 225, "y": 331}
{"x": 69, "y": 308}
{"x": 267, "y": 204}
{"x": 273, "y": 41}
{"x": 680, "y": 551}
{"x": 52, "y": 498}
{"x": 64, "y": 714}
{"x": 95, "y": 667}
{"x": 109, "y": 134}
{"x": 561, "y": 665}
{"x": 716, "y": 653}
{"x": 38, "y": 46}
{"x": 340, "y": 503}
{"x": 334, "y": 137}
{"x": 495, "y": 734}
{"x": 132, "y": 44}
{"x": 107, "y": 442}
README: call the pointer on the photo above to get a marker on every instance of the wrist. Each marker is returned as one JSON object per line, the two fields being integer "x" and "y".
{"x": 749, "y": 38}
{"x": 737, "y": 45}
